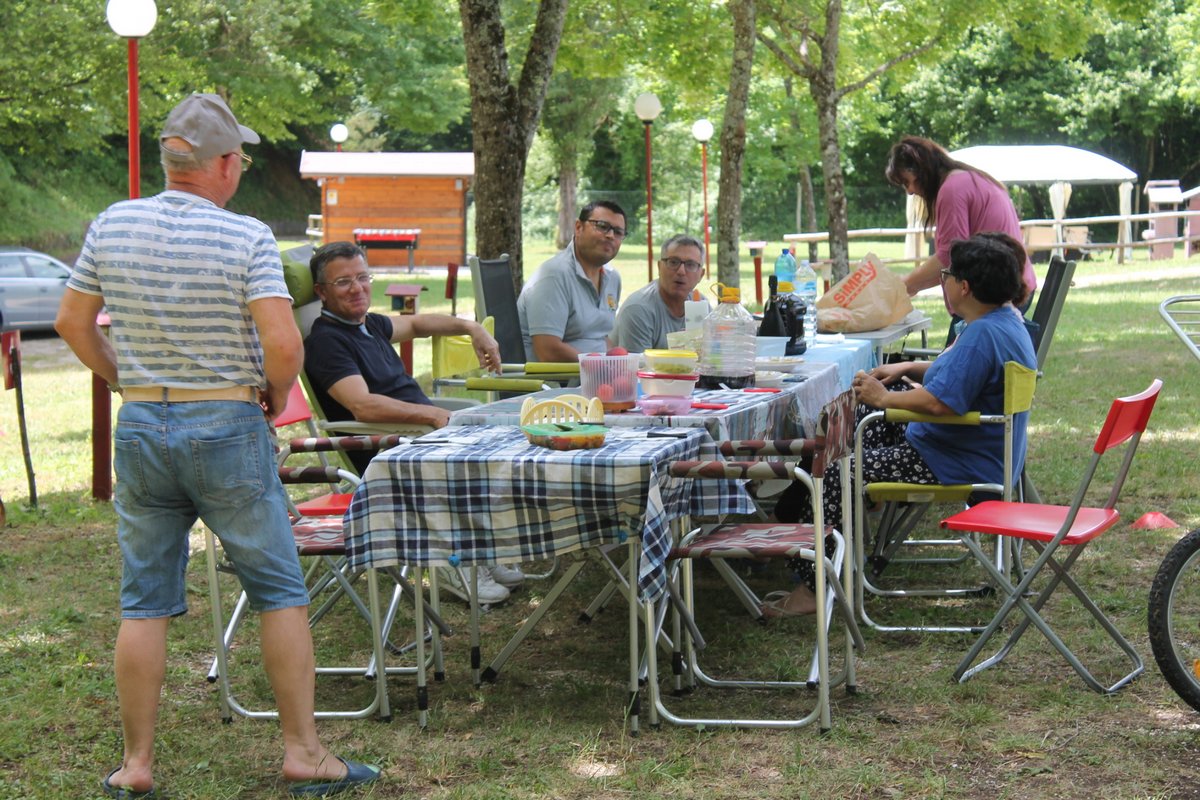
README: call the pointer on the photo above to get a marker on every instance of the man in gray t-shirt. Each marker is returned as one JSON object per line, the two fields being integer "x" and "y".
{"x": 568, "y": 307}
{"x": 650, "y": 313}
{"x": 204, "y": 350}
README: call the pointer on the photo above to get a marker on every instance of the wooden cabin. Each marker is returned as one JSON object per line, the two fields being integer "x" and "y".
{"x": 383, "y": 191}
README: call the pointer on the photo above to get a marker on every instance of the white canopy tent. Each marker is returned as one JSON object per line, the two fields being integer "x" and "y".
{"x": 1057, "y": 165}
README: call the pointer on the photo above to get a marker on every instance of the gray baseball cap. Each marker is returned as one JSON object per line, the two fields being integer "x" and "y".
{"x": 205, "y": 122}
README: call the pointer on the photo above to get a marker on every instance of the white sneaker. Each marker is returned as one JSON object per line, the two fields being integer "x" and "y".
{"x": 490, "y": 592}
{"x": 508, "y": 576}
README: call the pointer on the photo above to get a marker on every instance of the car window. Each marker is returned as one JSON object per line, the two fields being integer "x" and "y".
{"x": 11, "y": 267}
{"x": 43, "y": 267}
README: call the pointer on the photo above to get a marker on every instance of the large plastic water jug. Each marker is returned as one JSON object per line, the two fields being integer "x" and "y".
{"x": 729, "y": 344}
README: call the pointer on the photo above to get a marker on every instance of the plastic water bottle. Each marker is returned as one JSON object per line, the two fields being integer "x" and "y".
{"x": 806, "y": 290}
{"x": 785, "y": 267}
{"x": 728, "y": 349}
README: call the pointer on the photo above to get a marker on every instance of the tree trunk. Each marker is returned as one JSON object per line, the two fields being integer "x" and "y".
{"x": 733, "y": 143}
{"x": 835, "y": 183}
{"x": 504, "y": 118}
{"x": 806, "y": 206}
{"x": 823, "y": 87}
{"x": 568, "y": 186}
{"x": 808, "y": 202}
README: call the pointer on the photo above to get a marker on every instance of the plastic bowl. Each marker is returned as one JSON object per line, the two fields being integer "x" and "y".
{"x": 771, "y": 346}
{"x": 672, "y": 362}
{"x": 664, "y": 405}
{"x": 654, "y": 383}
{"x": 613, "y": 379}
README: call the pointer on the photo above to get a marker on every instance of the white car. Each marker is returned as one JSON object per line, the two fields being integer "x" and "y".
{"x": 31, "y": 287}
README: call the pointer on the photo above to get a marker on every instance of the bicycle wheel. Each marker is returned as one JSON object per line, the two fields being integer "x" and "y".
{"x": 1174, "y": 618}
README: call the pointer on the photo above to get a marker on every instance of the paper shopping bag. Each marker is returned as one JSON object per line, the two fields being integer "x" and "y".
{"x": 869, "y": 298}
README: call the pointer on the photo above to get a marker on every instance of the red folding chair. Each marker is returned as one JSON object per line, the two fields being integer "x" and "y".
{"x": 1049, "y": 527}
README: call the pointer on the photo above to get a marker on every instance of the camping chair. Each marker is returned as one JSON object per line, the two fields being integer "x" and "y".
{"x": 335, "y": 505}
{"x": 1052, "y": 297}
{"x": 306, "y": 308}
{"x": 319, "y": 536}
{"x": 1048, "y": 528}
{"x": 495, "y": 296}
{"x": 454, "y": 357}
{"x": 904, "y": 504}
{"x": 766, "y": 539}
{"x": 454, "y": 360}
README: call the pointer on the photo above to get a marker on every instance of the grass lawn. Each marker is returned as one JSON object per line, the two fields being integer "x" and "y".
{"x": 552, "y": 727}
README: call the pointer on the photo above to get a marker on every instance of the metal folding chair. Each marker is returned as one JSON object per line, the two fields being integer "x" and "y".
{"x": 905, "y": 504}
{"x": 1048, "y": 528}
{"x": 761, "y": 540}
{"x": 319, "y": 537}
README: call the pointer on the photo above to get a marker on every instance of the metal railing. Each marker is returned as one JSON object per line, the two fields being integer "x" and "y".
{"x": 917, "y": 236}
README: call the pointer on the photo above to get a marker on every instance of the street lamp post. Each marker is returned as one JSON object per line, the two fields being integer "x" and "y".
{"x": 339, "y": 133}
{"x": 132, "y": 19}
{"x": 647, "y": 107}
{"x": 702, "y": 130}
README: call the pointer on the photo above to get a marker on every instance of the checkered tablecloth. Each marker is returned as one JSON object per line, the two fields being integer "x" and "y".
{"x": 789, "y": 413}
{"x": 484, "y": 495}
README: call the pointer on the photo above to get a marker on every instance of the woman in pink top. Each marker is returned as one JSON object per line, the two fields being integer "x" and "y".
{"x": 960, "y": 201}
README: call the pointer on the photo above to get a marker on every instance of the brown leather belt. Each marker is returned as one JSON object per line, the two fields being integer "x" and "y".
{"x": 171, "y": 394}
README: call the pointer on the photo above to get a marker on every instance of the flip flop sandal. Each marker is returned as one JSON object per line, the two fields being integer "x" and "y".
{"x": 774, "y": 606}
{"x": 356, "y": 775}
{"x": 125, "y": 792}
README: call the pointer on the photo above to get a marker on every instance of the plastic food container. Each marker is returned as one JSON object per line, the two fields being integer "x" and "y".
{"x": 664, "y": 405}
{"x": 612, "y": 379}
{"x": 672, "y": 362}
{"x": 771, "y": 346}
{"x": 657, "y": 383}
{"x": 565, "y": 436}
{"x": 769, "y": 379}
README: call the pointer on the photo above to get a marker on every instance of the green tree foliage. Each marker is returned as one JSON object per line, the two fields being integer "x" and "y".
{"x": 1119, "y": 77}
{"x": 1125, "y": 95}
{"x": 575, "y": 108}
{"x": 62, "y": 76}
{"x": 284, "y": 65}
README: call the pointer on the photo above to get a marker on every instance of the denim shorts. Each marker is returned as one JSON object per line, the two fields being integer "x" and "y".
{"x": 213, "y": 460}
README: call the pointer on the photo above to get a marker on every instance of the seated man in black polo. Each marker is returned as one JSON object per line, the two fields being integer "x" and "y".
{"x": 355, "y": 371}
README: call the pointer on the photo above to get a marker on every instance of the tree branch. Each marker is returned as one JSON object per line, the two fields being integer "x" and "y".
{"x": 803, "y": 69}
{"x": 539, "y": 63}
{"x": 884, "y": 67}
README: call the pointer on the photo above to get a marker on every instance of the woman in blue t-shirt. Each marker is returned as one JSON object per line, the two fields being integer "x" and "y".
{"x": 983, "y": 280}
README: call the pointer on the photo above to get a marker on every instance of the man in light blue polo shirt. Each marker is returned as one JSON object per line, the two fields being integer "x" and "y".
{"x": 569, "y": 306}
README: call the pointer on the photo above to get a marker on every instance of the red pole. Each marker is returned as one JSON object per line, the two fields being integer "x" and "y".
{"x": 135, "y": 158}
{"x": 704, "y": 180}
{"x": 101, "y": 396}
{"x": 649, "y": 209}
{"x": 758, "y": 277}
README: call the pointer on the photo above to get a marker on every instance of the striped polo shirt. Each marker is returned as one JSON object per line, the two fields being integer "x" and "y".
{"x": 177, "y": 273}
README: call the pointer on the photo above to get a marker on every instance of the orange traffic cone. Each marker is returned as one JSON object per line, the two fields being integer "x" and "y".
{"x": 1153, "y": 520}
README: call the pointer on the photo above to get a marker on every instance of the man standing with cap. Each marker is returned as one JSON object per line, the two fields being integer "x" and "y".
{"x": 204, "y": 351}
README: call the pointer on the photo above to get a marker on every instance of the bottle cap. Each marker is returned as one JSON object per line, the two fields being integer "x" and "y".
{"x": 728, "y": 294}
